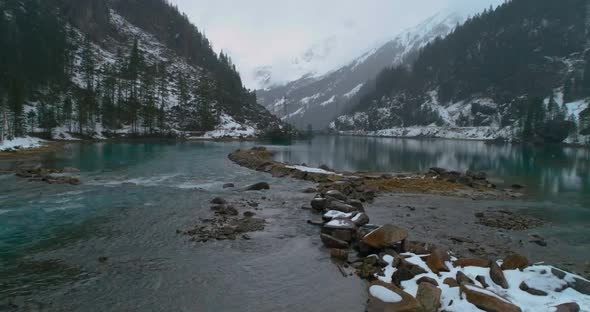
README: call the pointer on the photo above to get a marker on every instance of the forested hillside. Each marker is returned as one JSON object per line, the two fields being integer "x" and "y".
{"x": 96, "y": 68}
{"x": 520, "y": 71}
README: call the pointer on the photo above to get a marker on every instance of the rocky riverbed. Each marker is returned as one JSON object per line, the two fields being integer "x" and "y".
{"x": 415, "y": 270}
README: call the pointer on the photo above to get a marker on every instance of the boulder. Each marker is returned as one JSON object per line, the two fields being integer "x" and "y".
{"x": 429, "y": 297}
{"x": 310, "y": 190}
{"x": 463, "y": 279}
{"x": 451, "y": 282}
{"x": 426, "y": 279}
{"x": 258, "y": 187}
{"x": 335, "y": 214}
{"x": 356, "y": 204}
{"x": 535, "y": 292}
{"x": 360, "y": 219}
{"x": 578, "y": 284}
{"x": 342, "y": 229}
{"x": 319, "y": 204}
{"x": 385, "y": 236}
{"x": 341, "y": 206}
{"x": 336, "y": 195}
{"x": 387, "y": 297}
{"x": 482, "y": 281}
{"x": 437, "y": 259}
{"x": 332, "y": 242}
{"x": 567, "y": 307}
{"x": 406, "y": 271}
{"x": 487, "y": 300}
{"x": 515, "y": 261}
{"x": 497, "y": 275}
{"x": 474, "y": 262}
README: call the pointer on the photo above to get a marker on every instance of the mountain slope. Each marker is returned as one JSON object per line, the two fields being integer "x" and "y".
{"x": 318, "y": 100}
{"x": 518, "y": 72}
{"x": 124, "y": 67}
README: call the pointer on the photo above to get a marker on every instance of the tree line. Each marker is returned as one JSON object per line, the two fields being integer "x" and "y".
{"x": 519, "y": 49}
{"x": 51, "y": 75}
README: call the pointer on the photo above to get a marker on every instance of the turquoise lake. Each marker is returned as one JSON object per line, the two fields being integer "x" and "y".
{"x": 134, "y": 197}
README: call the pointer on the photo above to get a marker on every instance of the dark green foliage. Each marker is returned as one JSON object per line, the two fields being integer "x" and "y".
{"x": 512, "y": 55}
{"x": 585, "y": 122}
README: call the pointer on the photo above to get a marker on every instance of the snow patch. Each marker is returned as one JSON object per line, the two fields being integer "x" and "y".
{"x": 230, "y": 128}
{"x": 26, "y": 142}
{"x": 354, "y": 91}
{"x": 311, "y": 170}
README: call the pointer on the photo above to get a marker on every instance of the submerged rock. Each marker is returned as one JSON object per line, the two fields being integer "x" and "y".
{"x": 340, "y": 254}
{"x": 218, "y": 201}
{"x": 332, "y": 242}
{"x": 258, "y": 187}
{"x": 228, "y": 185}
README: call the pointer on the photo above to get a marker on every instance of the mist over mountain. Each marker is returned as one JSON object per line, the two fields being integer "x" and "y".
{"x": 317, "y": 99}
{"x": 520, "y": 71}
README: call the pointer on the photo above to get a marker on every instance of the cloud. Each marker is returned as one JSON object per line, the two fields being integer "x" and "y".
{"x": 269, "y": 32}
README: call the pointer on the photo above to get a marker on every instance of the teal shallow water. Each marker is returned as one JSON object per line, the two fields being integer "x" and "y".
{"x": 135, "y": 195}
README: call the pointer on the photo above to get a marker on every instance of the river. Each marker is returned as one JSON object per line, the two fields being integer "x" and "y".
{"x": 134, "y": 197}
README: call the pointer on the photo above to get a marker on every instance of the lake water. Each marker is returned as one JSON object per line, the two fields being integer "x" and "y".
{"x": 135, "y": 196}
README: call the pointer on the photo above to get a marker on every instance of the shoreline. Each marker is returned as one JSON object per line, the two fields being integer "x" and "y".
{"x": 431, "y": 215}
{"x": 486, "y": 141}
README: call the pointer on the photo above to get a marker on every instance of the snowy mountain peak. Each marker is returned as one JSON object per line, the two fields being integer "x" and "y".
{"x": 320, "y": 91}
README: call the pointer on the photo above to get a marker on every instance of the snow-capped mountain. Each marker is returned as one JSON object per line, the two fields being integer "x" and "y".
{"x": 316, "y": 99}
{"x": 520, "y": 72}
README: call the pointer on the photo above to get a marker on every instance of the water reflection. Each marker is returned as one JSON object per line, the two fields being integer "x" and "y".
{"x": 549, "y": 172}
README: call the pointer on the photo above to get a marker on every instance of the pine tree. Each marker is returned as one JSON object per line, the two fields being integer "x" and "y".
{"x": 567, "y": 91}
{"x": 67, "y": 111}
{"x": 183, "y": 97}
{"x": 585, "y": 122}
{"x": 88, "y": 64}
{"x": 586, "y": 80}
{"x": 162, "y": 93}
{"x": 16, "y": 99}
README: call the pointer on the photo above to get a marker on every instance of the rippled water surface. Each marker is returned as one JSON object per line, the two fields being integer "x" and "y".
{"x": 135, "y": 196}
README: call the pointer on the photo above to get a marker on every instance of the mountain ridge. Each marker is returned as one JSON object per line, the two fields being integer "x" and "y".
{"x": 318, "y": 100}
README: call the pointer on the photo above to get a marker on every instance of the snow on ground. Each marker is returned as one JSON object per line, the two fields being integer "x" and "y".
{"x": 575, "y": 108}
{"x": 230, "y": 128}
{"x": 329, "y": 101}
{"x": 62, "y": 134}
{"x": 537, "y": 276}
{"x": 310, "y": 170}
{"x": 354, "y": 91}
{"x": 21, "y": 143}
{"x": 458, "y": 133}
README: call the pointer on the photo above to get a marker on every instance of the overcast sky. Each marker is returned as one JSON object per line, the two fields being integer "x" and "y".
{"x": 273, "y": 32}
